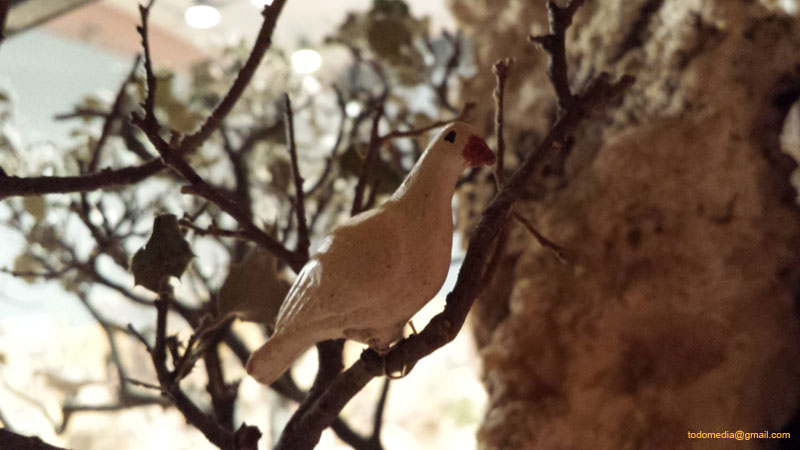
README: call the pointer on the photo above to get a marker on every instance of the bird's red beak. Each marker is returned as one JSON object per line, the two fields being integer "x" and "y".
{"x": 477, "y": 153}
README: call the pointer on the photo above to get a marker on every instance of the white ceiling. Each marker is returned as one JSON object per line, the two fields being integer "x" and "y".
{"x": 111, "y": 24}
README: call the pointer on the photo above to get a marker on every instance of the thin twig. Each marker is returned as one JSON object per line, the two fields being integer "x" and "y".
{"x": 380, "y": 408}
{"x": 369, "y": 162}
{"x": 259, "y": 134}
{"x": 263, "y": 42}
{"x": 150, "y": 99}
{"x": 4, "y": 7}
{"x": 306, "y": 425}
{"x": 171, "y": 154}
{"x": 465, "y": 112}
{"x": 144, "y": 384}
{"x": 16, "y": 186}
{"x": 213, "y": 431}
{"x": 300, "y": 208}
{"x": 241, "y": 172}
{"x": 126, "y": 398}
{"x": 106, "y": 243}
{"x": 112, "y": 116}
{"x": 223, "y": 395}
{"x": 554, "y": 43}
{"x": 140, "y": 337}
{"x": 558, "y": 251}
{"x": 373, "y": 195}
{"x": 500, "y": 70}
{"x": 82, "y": 113}
{"x": 443, "y": 87}
{"x": 43, "y": 274}
{"x": 198, "y": 186}
{"x": 334, "y": 153}
{"x": 444, "y": 327}
{"x": 213, "y": 230}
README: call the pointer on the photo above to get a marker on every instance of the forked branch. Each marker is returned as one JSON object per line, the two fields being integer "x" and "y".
{"x": 305, "y": 427}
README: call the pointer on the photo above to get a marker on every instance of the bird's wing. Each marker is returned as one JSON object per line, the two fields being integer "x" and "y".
{"x": 356, "y": 266}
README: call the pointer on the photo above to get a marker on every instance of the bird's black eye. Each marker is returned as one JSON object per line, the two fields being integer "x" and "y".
{"x": 451, "y": 137}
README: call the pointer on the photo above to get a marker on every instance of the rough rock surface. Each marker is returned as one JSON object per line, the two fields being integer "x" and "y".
{"x": 678, "y": 312}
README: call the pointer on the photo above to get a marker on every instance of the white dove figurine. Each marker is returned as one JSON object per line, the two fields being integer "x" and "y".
{"x": 377, "y": 269}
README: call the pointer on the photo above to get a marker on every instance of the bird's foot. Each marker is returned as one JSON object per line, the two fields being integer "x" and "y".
{"x": 383, "y": 351}
{"x": 390, "y": 376}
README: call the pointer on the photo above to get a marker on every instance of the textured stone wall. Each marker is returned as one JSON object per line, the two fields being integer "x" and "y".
{"x": 678, "y": 311}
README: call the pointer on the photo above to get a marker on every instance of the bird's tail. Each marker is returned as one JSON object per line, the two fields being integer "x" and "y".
{"x": 273, "y": 358}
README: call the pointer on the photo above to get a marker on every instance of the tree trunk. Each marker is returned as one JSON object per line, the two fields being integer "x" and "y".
{"x": 677, "y": 312}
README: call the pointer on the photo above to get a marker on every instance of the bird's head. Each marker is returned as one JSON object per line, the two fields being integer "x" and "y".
{"x": 463, "y": 139}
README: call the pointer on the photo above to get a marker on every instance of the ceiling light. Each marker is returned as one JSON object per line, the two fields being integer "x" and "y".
{"x": 353, "y": 108}
{"x": 306, "y": 61}
{"x": 201, "y": 15}
{"x": 311, "y": 84}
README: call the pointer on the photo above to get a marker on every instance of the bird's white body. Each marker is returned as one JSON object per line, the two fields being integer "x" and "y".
{"x": 377, "y": 269}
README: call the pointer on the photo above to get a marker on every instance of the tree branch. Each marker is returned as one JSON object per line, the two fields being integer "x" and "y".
{"x": 213, "y": 431}
{"x": 335, "y": 149}
{"x": 377, "y": 420}
{"x": 263, "y": 42}
{"x": 450, "y": 66}
{"x": 5, "y": 5}
{"x": 112, "y": 116}
{"x": 300, "y": 208}
{"x": 150, "y": 99}
{"x": 11, "y": 186}
{"x": 171, "y": 154}
{"x": 558, "y": 251}
{"x": 369, "y": 161}
{"x": 444, "y": 327}
{"x": 213, "y": 230}
{"x": 11, "y": 440}
{"x": 500, "y": 70}
{"x": 554, "y": 43}
{"x": 465, "y": 112}
{"x": 125, "y": 397}
{"x": 17, "y": 186}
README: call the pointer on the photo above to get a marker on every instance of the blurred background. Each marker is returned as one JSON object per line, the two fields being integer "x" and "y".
{"x": 676, "y": 312}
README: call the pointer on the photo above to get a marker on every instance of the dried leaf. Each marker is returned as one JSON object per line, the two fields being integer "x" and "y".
{"x": 25, "y": 263}
{"x": 180, "y": 117}
{"x": 390, "y": 7}
{"x": 166, "y": 254}
{"x": 388, "y": 179}
{"x": 254, "y": 290}
{"x": 281, "y": 171}
{"x": 35, "y": 206}
{"x": 388, "y": 37}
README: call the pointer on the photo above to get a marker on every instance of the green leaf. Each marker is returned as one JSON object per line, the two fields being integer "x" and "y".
{"x": 166, "y": 254}
{"x": 254, "y": 290}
